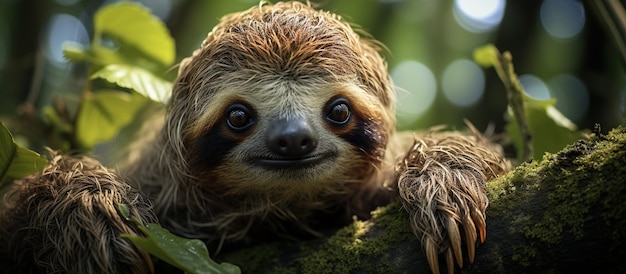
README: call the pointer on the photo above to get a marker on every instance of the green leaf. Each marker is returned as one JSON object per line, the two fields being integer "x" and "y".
{"x": 137, "y": 79}
{"x": 130, "y": 28}
{"x": 103, "y": 114}
{"x": 75, "y": 52}
{"x": 191, "y": 256}
{"x": 551, "y": 131}
{"x": 15, "y": 161}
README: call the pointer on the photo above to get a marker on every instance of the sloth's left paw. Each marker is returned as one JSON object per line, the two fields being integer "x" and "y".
{"x": 442, "y": 186}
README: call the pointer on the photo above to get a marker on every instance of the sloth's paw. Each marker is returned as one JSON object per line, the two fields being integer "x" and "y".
{"x": 442, "y": 186}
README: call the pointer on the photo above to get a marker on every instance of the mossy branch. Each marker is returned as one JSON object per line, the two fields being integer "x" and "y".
{"x": 563, "y": 214}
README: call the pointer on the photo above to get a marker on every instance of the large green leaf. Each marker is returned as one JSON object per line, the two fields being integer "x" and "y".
{"x": 191, "y": 256}
{"x": 103, "y": 114}
{"x": 137, "y": 79}
{"x": 131, "y": 24}
{"x": 16, "y": 161}
{"x": 126, "y": 33}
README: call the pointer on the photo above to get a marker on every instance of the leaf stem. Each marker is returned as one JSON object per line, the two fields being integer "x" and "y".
{"x": 504, "y": 69}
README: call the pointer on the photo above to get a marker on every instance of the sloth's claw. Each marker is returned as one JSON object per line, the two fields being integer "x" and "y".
{"x": 442, "y": 185}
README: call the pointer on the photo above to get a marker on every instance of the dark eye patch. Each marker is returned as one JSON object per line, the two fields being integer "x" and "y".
{"x": 207, "y": 151}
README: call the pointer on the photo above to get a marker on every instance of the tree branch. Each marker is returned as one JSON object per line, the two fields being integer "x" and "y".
{"x": 563, "y": 214}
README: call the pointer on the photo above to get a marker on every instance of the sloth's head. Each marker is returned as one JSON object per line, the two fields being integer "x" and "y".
{"x": 281, "y": 96}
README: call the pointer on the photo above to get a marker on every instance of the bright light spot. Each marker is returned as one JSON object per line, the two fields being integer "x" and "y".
{"x": 572, "y": 98}
{"x": 479, "y": 15}
{"x": 62, "y": 28}
{"x": 67, "y": 2}
{"x": 562, "y": 18}
{"x": 416, "y": 90}
{"x": 160, "y": 8}
{"x": 463, "y": 82}
{"x": 534, "y": 87}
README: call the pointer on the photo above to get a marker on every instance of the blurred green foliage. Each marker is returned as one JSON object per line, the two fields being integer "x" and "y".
{"x": 41, "y": 95}
{"x": 15, "y": 161}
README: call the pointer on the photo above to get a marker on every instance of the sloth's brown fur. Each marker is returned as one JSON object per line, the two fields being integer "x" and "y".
{"x": 208, "y": 180}
{"x": 285, "y": 59}
{"x": 65, "y": 220}
{"x": 442, "y": 185}
{"x": 288, "y": 42}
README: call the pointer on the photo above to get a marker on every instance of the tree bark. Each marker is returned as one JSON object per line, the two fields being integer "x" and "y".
{"x": 564, "y": 214}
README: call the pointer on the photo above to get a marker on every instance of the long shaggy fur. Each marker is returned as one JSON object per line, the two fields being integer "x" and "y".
{"x": 289, "y": 43}
{"x": 219, "y": 183}
{"x": 442, "y": 185}
{"x": 65, "y": 220}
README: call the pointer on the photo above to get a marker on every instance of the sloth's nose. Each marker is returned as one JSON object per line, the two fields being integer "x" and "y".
{"x": 291, "y": 137}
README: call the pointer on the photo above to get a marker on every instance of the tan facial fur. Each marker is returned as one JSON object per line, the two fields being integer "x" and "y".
{"x": 281, "y": 67}
{"x": 281, "y": 124}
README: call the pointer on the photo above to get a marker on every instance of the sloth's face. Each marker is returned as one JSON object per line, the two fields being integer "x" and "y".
{"x": 287, "y": 135}
{"x": 281, "y": 98}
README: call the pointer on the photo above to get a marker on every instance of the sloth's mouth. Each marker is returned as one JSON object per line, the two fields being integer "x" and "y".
{"x": 290, "y": 163}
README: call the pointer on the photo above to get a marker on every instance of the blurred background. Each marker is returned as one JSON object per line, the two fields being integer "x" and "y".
{"x": 561, "y": 48}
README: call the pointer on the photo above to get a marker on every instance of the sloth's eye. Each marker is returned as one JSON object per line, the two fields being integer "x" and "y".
{"x": 238, "y": 117}
{"x": 338, "y": 112}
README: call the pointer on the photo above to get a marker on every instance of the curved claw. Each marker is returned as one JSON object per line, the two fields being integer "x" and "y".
{"x": 455, "y": 240}
{"x": 450, "y": 261}
{"x": 442, "y": 185}
{"x": 479, "y": 220}
{"x": 470, "y": 238}
{"x": 432, "y": 253}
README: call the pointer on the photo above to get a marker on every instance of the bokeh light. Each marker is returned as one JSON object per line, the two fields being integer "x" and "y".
{"x": 562, "y": 19}
{"x": 479, "y": 16}
{"x": 416, "y": 90}
{"x": 160, "y": 8}
{"x": 67, "y": 2}
{"x": 63, "y": 28}
{"x": 463, "y": 82}
{"x": 572, "y": 97}
{"x": 534, "y": 87}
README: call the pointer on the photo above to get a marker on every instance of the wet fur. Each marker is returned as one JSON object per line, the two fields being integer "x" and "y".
{"x": 281, "y": 61}
{"x": 65, "y": 220}
{"x": 289, "y": 60}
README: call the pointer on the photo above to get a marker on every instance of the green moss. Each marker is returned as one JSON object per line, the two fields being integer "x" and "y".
{"x": 539, "y": 203}
{"x": 584, "y": 179}
{"x": 503, "y": 194}
{"x": 348, "y": 249}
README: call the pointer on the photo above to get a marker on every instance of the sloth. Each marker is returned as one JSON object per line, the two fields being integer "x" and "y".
{"x": 65, "y": 220}
{"x": 282, "y": 123}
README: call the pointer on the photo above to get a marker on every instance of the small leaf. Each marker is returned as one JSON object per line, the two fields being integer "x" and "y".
{"x": 191, "y": 256}
{"x": 131, "y": 24}
{"x": 103, "y": 114}
{"x": 137, "y": 79}
{"x": 25, "y": 162}
{"x": 75, "y": 52}
{"x": 15, "y": 161}
{"x": 486, "y": 56}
